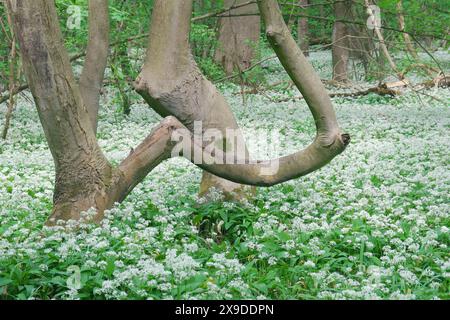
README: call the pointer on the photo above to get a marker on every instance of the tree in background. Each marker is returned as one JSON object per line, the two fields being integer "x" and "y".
{"x": 238, "y": 36}
{"x": 340, "y": 41}
{"x": 407, "y": 39}
{"x": 303, "y": 29}
{"x": 13, "y": 73}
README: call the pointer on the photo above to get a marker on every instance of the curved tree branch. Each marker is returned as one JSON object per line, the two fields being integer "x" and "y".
{"x": 175, "y": 86}
{"x": 329, "y": 141}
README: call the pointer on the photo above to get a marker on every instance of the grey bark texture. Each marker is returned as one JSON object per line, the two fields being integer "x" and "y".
{"x": 91, "y": 79}
{"x": 341, "y": 43}
{"x": 172, "y": 84}
{"x": 82, "y": 172}
{"x": 84, "y": 177}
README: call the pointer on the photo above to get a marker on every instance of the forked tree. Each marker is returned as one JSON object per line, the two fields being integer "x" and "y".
{"x": 172, "y": 84}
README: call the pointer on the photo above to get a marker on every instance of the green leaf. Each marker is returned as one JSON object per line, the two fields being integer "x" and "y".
{"x": 284, "y": 236}
{"x": 4, "y": 282}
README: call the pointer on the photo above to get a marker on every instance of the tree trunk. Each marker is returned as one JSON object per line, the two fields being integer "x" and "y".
{"x": 170, "y": 73}
{"x": 406, "y": 37}
{"x": 121, "y": 60}
{"x": 83, "y": 174}
{"x": 382, "y": 43}
{"x": 238, "y": 37}
{"x": 340, "y": 48}
{"x": 11, "y": 79}
{"x": 91, "y": 80}
{"x": 84, "y": 178}
{"x": 303, "y": 30}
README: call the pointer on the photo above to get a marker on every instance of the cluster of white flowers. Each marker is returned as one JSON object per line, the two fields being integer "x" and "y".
{"x": 225, "y": 265}
{"x": 372, "y": 224}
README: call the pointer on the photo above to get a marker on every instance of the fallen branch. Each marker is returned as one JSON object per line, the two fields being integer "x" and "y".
{"x": 381, "y": 90}
{"x": 439, "y": 81}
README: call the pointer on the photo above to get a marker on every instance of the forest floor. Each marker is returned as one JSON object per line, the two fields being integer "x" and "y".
{"x": 373, "y": 224}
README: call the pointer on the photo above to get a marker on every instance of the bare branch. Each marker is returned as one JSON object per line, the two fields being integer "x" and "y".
{"x": 91, "y": 79}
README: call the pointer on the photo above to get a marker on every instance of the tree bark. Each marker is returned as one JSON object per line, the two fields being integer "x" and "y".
{"x": 238, "y": 36}
{"x": 172, "y": 84}
{"x": 91, "y": 80}
{"x": 82, "y": 172}
{"x": 121, "y": 60}
{"x": 84, "y": 178}
{"x": 341, "y": 43}
{"x": 303, "y": 30}
{"x": 361, "y": 42}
